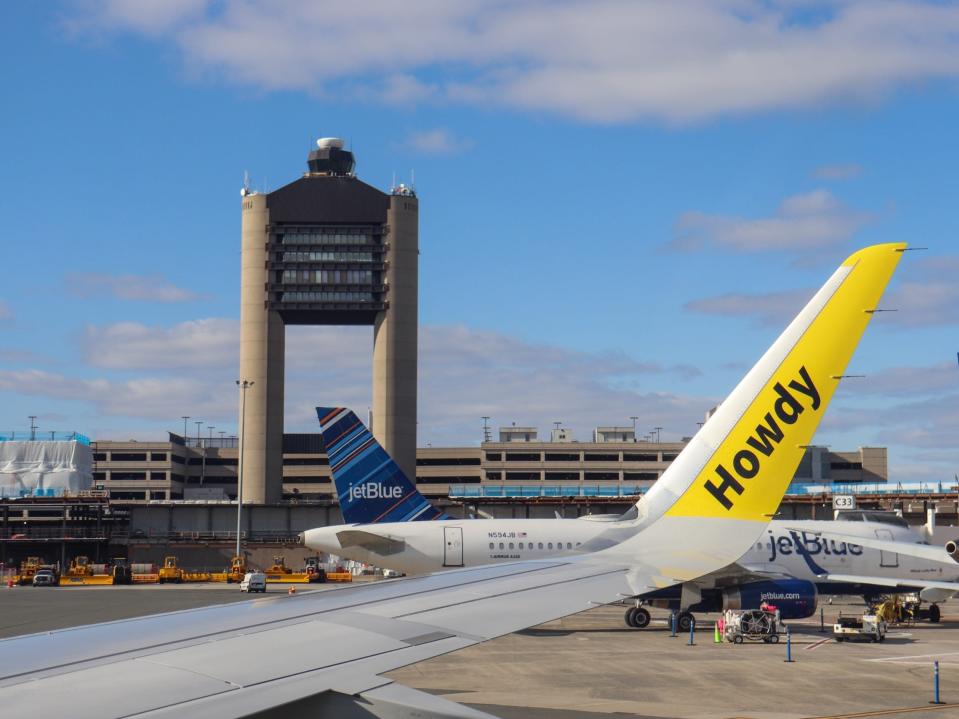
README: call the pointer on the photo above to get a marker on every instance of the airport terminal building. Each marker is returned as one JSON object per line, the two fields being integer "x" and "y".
{"x": 206, "y": 469}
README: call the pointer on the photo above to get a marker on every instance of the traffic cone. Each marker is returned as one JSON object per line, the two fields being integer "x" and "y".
{"x": 291, "y": 591}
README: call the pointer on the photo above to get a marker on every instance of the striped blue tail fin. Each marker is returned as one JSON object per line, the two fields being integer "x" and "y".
{"x": 370, "y": 485}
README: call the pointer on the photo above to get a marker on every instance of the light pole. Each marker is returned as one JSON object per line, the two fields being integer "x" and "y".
{"x": 211, "y": 427}
{"x": 634, "y": 426}
{"x": 33, "y": 427}
{"x": 199, "y": 439}
{"x": 184, "y": 417}
{"x": 658, "y": 430}
{"x": 244, "y": 385}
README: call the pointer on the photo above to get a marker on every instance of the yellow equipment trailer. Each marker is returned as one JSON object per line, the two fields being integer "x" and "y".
{"x": 279, "y": 573}
{"x": 81, "y": 572}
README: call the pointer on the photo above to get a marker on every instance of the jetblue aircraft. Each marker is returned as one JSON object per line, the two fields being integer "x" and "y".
{"x": 328, "y": 653}
{"x": 788, "y": 566}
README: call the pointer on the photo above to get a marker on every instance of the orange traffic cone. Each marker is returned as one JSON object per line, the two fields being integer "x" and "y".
{"x": 291, "y": 591}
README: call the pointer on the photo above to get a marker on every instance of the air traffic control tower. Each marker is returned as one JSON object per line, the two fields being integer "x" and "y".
{"x": 327, "y": 249}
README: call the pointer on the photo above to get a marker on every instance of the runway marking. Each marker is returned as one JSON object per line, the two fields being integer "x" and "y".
{"x": 816, "y": 645}
{"x": 914, "y": 656}
{"x": 887, "y": 712}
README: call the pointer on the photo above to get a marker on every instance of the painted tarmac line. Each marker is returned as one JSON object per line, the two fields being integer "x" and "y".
{"x": 914, "y": 656}
{"x": 888, "y": 712}
{"x": 818, "y": 644}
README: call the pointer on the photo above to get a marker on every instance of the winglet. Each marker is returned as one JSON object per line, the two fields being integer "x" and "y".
{"x": 740, "y": 463}
{"x": 369, "y": 484}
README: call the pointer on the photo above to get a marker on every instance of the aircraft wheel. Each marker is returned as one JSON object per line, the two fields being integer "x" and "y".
{"x": 628, "y": 618}
{"x": 684, "y": 621}
{"x": 640, "y": 618}
{"x": 935, "y": 614}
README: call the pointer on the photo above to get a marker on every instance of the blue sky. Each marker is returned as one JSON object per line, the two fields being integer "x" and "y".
{"x": 621, "y": 204}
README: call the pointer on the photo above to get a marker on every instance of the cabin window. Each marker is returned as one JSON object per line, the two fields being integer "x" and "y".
{"x": 540, "y": 545}
{"x": 511, "y": 545}
{"x": 549, "y": 546}
{"x": 502, "y": 546}
{"x": 569, "y": 545}
{"x": 491, "y": 545}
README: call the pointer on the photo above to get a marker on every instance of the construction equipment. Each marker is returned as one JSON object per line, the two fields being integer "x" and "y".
{"x": 121, "y": 571}
{"x": 82, "y": 572}
{"x": 170, "y": 571}
{"x": 279, "y": 573}
{"x": 28, "y": 567}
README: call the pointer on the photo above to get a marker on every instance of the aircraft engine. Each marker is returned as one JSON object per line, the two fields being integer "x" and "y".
{"x": 794, "y": 598}
{"x": 952, "y": 549}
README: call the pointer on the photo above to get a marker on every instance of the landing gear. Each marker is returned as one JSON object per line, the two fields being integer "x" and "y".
{"x": 684, "y": 621}
{"x": 935, "y": 614}
{"x": 637, "y": 617}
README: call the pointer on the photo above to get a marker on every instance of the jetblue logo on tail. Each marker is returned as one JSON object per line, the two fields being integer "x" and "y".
{"x": 370, "y": 490}
{"x": 746, "y": 462}
{"x": 369, "y": 484}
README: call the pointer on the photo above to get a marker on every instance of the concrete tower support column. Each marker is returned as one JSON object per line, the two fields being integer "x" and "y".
{"x": 395, "y": 339}
{"x": 262, "y": 358}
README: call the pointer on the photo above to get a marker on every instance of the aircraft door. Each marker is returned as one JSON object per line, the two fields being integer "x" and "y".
{"x": 887, "y": 559}
{"x": 453, "y": 546}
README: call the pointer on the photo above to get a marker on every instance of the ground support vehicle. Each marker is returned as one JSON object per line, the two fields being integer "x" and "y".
{"x": 28, "y": 567}
{"x": 235, "y": 573}
{"x": 754, "y": 625}
{"x": 253, "y": 582}
{"x": 279, "y": 573}
{"x": 868, "y": 627}
{"x": 45, "y": 578}
{"x": 83, "y": 572}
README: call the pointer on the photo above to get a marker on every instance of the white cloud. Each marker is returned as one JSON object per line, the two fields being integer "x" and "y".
{"x": 437, "y": 142}
{"x": 926, "y": 296}
{"x": 837, "y": 172}
{"x": 130, "y": 345}
{"x": 464, "y": 374}
{"x": 906, "y": 381}
{"x": 929, "y": 294}
{"x": 772, "y": 308}
{"x": 807, "y": 221}
{"x": 149, "y": 288}
{"x": 596, "y": 60}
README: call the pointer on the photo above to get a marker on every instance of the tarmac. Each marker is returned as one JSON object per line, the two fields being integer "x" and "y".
{"x": 591, "y": 666}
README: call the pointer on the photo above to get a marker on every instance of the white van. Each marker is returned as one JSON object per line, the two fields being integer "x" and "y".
{"x": 253, "y": 582}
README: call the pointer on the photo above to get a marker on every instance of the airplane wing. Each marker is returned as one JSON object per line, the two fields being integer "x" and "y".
{"x": 319, "y": 653}
{"x": 909, "y": 582}
{"x": 920, "y": 551}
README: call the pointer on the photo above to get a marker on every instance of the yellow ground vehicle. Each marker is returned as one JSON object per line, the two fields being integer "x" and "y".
{"x": 82, "y": 571}
{"x": 28, "y": 567}
{"x": 170, "y": 571}
{"x": 279, "y": 573}
{"x": 234, "y": 574}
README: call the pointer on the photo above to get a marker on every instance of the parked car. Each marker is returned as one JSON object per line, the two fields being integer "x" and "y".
{"x": 44, "y": 578}
{"x": 253, "y": 582}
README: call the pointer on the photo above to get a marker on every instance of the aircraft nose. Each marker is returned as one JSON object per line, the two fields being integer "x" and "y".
{"x": 321, "y": 538}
